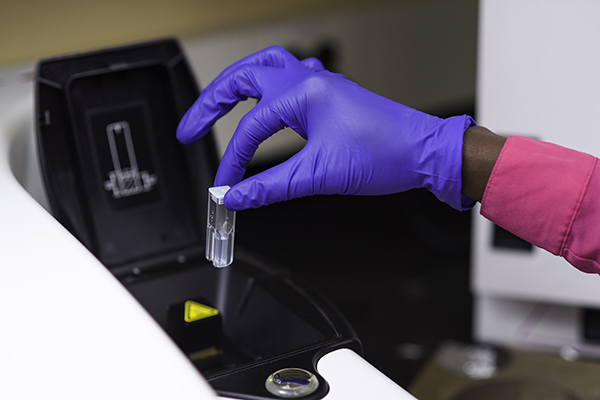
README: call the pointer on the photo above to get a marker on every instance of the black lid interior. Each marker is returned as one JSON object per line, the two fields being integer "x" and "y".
{"x": 115, "y": 174}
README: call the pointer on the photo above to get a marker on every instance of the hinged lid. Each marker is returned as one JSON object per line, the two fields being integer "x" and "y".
{"x": 115, "y": 174}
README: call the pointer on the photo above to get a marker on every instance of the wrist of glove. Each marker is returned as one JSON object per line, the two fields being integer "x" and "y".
{"x": 357, "y": 142}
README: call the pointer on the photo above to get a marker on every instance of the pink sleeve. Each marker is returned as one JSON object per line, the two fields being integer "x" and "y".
{"x": 550, "y": 196}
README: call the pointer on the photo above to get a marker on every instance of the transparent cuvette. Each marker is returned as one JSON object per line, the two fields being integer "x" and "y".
{"x": 220, "y": 228}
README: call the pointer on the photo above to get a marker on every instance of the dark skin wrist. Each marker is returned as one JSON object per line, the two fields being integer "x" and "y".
{"x": 481, "y": 148}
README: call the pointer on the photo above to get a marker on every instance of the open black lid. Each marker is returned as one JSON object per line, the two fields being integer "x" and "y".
{"x": 115, "y": 175}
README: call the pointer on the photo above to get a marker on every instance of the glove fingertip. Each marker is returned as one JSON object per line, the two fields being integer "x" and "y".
{"x": 186, "y": 133}
{"x": 234, "y": 200}
{"x": 313, "y": 63}
{"x": 249, "y": 193}
{"x": 183, "y": 138}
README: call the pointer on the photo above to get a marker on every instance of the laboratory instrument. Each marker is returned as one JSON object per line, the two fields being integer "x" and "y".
{"x": 119, "y": 181}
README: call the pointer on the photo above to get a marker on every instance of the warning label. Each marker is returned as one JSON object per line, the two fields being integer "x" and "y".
{"x": 194, "y": 311}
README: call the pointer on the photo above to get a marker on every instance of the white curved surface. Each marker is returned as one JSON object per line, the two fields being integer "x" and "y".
{"x": 361, "y": 381}
{"x": 69, "y": 329}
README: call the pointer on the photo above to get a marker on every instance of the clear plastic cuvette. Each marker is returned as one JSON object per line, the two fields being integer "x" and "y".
{"x": 220, "y": 228}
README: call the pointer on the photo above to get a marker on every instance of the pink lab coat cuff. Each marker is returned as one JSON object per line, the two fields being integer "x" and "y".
{"x": 549, "y": 196}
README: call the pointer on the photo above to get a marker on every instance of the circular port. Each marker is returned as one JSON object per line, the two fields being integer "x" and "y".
{"x": 290, "y": 383}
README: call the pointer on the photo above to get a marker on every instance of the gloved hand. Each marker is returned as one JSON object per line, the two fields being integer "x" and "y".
{"x": 357, "y": 142}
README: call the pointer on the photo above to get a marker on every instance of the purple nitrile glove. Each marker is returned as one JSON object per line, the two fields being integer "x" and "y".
{"x": 357, "y": 141}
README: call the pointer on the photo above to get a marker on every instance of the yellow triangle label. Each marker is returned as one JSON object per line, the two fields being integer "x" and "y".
{"x": 196, "y": 311}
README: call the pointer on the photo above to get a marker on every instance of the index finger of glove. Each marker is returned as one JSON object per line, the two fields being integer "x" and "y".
{"x": 255, "y": 127}
{"x": 313, "y": 63}
{"x": 236, "y": 83}
{"x": 216, "y": 100}
{"x": 272, "y": 56}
